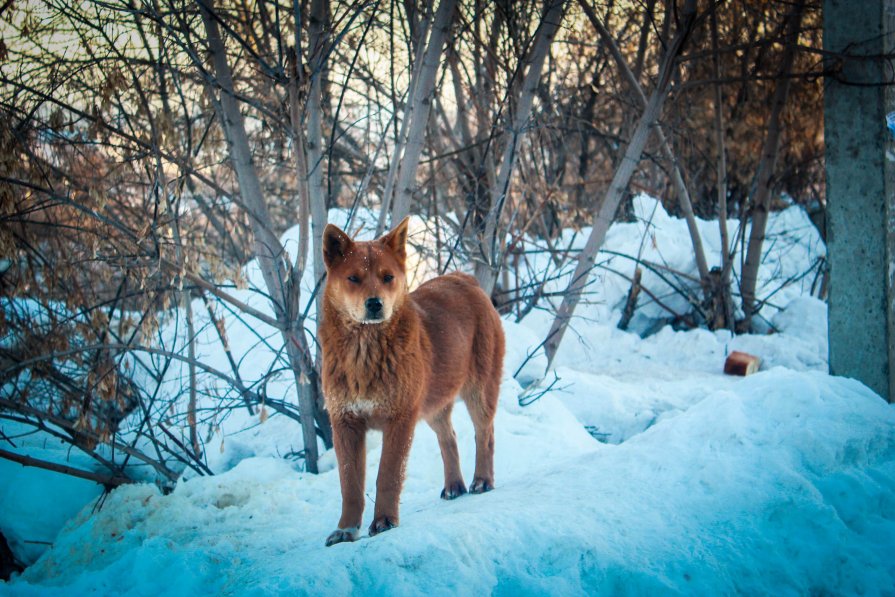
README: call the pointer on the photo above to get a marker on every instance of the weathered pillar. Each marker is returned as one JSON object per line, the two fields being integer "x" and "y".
{"x": 860, "y": 167}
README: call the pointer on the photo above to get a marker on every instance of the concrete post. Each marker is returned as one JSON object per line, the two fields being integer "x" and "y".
{"x": 860, "y": 167}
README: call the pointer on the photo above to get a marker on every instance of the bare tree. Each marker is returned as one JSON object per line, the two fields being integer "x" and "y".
{"x": 677, "y": 177}
{"x": 423, "y": 93}
{"x": 608, "y": 206}
{"x": 764, "y": 176}
{"x": 491, "y": 251}
{"x": 138, "y": 179}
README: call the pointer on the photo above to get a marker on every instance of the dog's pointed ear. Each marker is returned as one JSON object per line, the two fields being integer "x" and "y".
{"x": 396, "y": 240}
{"x": 336, "y": 245}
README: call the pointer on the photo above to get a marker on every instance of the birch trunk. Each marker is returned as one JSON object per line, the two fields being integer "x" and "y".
{"x": 267, "y": 248}
{"x": 395, "y": 164}
{"x": 604, "y": 216}
{"x": 311, "y": 391}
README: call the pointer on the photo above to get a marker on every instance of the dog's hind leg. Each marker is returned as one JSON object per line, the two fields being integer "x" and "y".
{"x": 482, "y": 405}
{"x": 447, "y": 441}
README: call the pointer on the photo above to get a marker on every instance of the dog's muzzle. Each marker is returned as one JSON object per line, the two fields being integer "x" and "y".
{"x": 374, "y": 309}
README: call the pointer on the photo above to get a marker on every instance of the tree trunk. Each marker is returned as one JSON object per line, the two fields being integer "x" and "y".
{"x": 317, "y": 194}
{"x": 310, "y": 393}
{"x": 721, "y": 178}
{"x": 395, "y": 164}
{"x": 487, "y": 267}
{"x": 604, "y": 216}
{"x": 267, "y": 248}
{"x": 296, "y": 81}
{"x": 677, "y": 177}
{"x": 631, "y": 301}
{"x": 191, "y": 355}
{"x": 420, "y": 106}
{"x": 308, "y": 380}
{"x": 770, "y": 151}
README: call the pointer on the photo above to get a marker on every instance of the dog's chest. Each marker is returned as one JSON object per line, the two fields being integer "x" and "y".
{"x": 363, "y": 383}
{"x": 370, "y": 406}
{"x": 360, "y": 407}
{"x": 373, "y": 373}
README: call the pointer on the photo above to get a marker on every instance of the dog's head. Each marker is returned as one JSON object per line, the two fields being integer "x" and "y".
{"x": 366, "y": 281}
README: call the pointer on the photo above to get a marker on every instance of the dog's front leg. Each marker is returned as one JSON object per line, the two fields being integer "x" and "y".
{"x": 349, "y": 434}
{"x": 396, "y": 438}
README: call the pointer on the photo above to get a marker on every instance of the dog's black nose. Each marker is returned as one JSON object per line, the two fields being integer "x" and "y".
{"x": 374, "y": 306}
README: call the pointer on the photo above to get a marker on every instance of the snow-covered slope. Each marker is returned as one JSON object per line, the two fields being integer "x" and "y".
{"x": 644, "y": 471}
{"x": 783, "y": 483}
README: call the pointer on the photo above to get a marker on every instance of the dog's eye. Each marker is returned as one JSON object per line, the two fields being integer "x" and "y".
{"x": 387, "y": 278}
{"x": 354, "y": 279}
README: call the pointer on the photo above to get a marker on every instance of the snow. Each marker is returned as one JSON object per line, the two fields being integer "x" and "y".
{"x": 782, "y": 483}
{"x": 33, "y": 512}
{"x": 644, "y": 470}
{"x": 618, "y": 384}
{"x": 792, "y": 252}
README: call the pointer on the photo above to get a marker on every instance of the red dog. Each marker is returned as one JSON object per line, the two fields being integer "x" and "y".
{"x": 391, "y": 357}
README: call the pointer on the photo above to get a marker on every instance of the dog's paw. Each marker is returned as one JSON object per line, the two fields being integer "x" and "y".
{"x": 453, "y": 490}
{"x": 382, "y": 524}
{"x": 343, "y": 535}
{"x": 480, "y": 485}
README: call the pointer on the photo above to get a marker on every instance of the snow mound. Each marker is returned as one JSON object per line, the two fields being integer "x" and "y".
{"x": 619, "y": 384}
{"x": 782, "y": 483}
{"x": 32, "y": 515}
{"x": 791, "y": 256}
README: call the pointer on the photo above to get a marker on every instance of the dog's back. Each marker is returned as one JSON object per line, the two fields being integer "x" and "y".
{"x": 465, "y": 335}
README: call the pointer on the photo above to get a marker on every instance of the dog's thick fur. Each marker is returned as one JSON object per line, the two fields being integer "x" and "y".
{"x": 407, "y": 359}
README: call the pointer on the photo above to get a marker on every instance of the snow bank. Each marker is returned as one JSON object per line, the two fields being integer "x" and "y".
{"x": 783, "y": 483}
{"x": 790, "y": 257}
{"x": 38, "y": 502}
{"x": 619, "y": 384}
